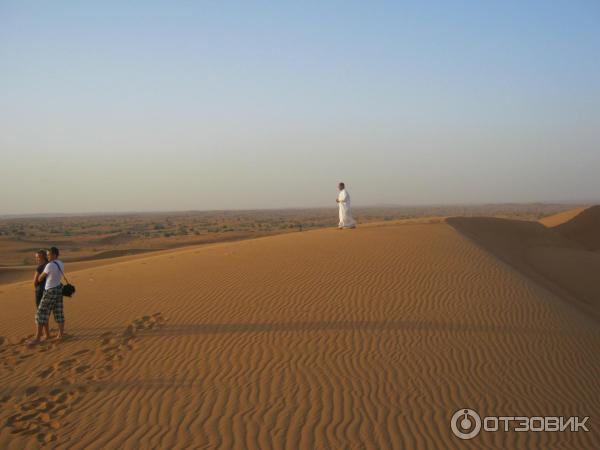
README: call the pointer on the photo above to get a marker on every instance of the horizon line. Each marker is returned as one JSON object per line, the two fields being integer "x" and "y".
{"x": 380, "y": 205}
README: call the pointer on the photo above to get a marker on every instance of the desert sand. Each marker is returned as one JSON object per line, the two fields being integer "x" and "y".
{"x": 561, "y": 217}
{"x": 370, "y": 338}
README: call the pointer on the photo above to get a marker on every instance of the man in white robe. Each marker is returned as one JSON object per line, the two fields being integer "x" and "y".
{"x": 343, "y": 201}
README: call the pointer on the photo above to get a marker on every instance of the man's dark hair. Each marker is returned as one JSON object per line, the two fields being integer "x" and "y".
{"x": 342, "y": 185}
{"x": 54, "y": 251}
{"x": 42, "y": 253}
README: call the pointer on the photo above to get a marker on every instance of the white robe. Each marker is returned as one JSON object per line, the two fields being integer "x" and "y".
{"x": 346, "y": 220}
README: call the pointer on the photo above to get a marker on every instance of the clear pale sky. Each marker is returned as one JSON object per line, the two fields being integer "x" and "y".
{"x": 135, "y": 106}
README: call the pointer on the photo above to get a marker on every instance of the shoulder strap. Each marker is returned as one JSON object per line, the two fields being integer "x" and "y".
{"x": 62, "y": 273}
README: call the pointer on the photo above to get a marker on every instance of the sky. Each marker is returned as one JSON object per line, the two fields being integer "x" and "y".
{"x": 146, "y": 106}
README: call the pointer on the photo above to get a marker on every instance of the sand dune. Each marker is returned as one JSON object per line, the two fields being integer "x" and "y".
{"x": 25, "y": 273}
{"x": 557, "y": 258}
{"x": 370, "y": 338}
{"x": 584, "y": 228}
{"x": 561, "y": 217}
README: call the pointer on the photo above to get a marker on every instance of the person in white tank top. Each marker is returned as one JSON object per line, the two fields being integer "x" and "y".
{"x": 52, "y": 300}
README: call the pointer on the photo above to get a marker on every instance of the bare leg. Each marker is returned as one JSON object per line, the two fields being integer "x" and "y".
{"x": 38, "y": 335}
{"x": 47, "y": 331}
{"x": 61, "y": 330}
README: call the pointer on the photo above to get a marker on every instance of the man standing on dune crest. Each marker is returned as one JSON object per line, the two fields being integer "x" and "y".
{"x": 343, "y": 201}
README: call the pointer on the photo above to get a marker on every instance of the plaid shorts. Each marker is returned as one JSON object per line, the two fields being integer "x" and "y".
{"x": 52, "y": 302}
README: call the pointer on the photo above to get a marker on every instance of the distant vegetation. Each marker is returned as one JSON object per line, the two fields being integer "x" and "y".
{"x": 82, "y": 237}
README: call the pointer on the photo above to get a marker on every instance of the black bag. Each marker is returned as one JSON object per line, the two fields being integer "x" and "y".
{"x": 68, "y": 289}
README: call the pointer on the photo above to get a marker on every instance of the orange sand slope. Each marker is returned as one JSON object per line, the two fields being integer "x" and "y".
{"x": 562, "y": 258}
{"x": 561, "y": 217}
{"x": 369, "y": 338}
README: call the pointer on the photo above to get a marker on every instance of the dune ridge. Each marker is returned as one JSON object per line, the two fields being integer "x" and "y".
{"x": 584, "y": 228}
{"x": 371, "y": 338}
{"x": 561, "y": 258}
{"x": 561, "y": 217}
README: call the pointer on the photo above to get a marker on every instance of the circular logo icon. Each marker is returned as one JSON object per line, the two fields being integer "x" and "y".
{"x": 465, "y": 423}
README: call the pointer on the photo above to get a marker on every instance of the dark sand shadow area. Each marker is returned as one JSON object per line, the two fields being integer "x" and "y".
{"x": 561, "y": 259}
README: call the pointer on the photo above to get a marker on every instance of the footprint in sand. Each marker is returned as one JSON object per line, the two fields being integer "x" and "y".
{"x": 67, "y": 363}
{"x": 57, "y": 394}
{"x": 67, "y": 380}
{"x": 46, "y": 438}
{"x": 46, "y": 373}
{"x": 13, "y": 355}
{"x": 42, "y": 408}
{"x": 109, "y": 341}
{"x": 129, "y": 331}
{"x": 25, "y": 339}
{"x": 115, "y": 347}
{"x": 40, "y": 415}
{"x": 64, "y": 366}
{"x": 45, "y": 348}
{"x": 156, "y": 320}
{"x": 31, "y": 390}
{"x": 83, "y": 368}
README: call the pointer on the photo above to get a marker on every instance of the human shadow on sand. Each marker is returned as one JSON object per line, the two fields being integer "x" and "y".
{"x": 190, "y": 329}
